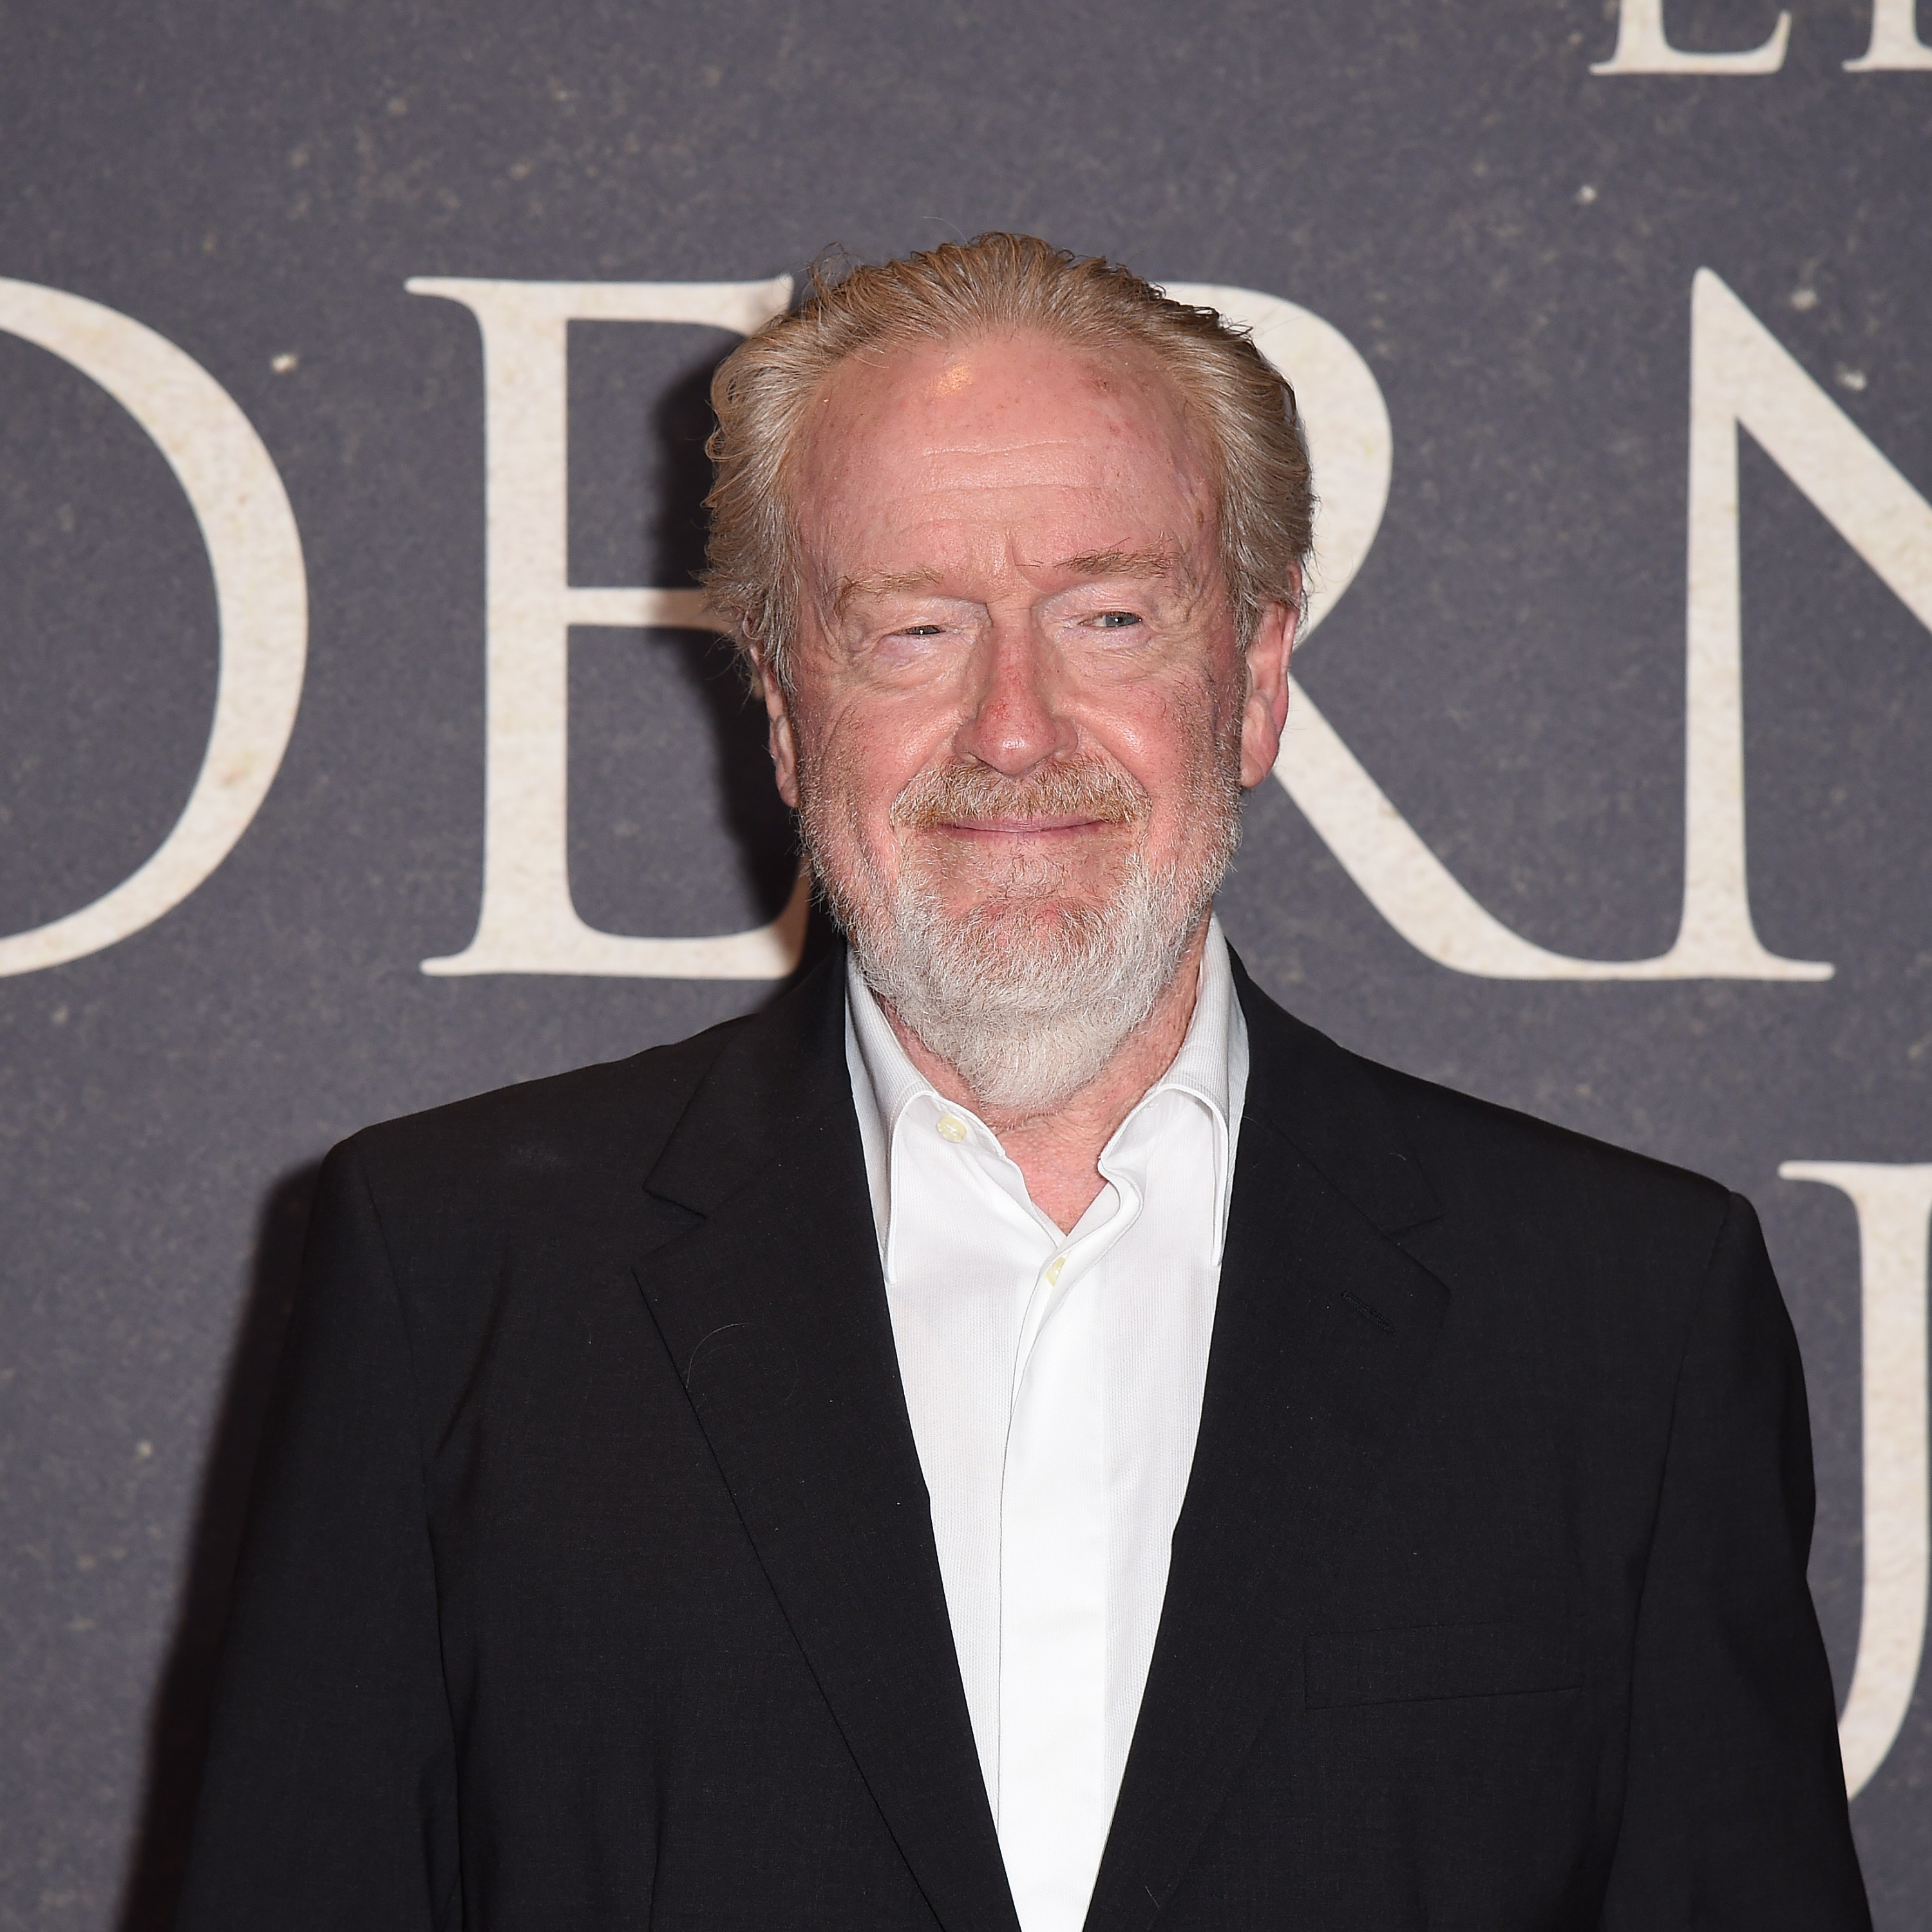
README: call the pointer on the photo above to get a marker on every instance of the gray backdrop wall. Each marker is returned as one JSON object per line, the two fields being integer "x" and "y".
{"x": 1616, "y": 331}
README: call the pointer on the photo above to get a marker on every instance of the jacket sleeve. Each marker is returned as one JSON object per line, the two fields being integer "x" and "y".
{"x": 328, "y": 1799}
{"x": 1735, "y": 1813}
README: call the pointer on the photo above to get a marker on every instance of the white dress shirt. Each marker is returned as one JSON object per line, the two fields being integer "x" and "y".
{"x": 1054, "y": 1384}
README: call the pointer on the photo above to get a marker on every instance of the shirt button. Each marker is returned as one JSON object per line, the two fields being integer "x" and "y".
{"x": 1053, "y": 1268}
{"x": 952, "y": 1128}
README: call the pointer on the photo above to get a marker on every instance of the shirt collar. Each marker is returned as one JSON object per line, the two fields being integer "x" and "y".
{"x": 1212, "y": 1062}
{"x": 1212, "y": 1066}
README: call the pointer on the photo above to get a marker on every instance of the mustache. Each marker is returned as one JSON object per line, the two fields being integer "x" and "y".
{"x": 948, "y": 793}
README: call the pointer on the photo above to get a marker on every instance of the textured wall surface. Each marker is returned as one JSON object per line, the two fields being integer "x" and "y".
{"x": 1503, "y": 701}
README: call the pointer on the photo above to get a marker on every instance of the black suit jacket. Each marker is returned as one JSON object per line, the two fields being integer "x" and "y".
{"x": 591, "y": 1581}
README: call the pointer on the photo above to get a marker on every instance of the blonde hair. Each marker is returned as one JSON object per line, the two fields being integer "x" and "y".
{"x": 1241, "y": 408}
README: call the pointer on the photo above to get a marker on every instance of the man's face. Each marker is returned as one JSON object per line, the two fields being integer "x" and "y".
{"x": 1017, "y": 672}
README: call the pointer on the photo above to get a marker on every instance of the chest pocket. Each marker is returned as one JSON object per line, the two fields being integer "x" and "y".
{"x": 1437, "y": 1660}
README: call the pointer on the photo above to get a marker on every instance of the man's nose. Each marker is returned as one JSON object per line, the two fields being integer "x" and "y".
{"x": 1016, "y": 721}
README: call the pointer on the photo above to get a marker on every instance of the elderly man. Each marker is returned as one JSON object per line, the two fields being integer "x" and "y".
{"x": 1022, "y": 1431}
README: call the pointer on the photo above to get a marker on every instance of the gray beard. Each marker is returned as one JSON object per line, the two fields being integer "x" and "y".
{"x": 1027, "y": 1000}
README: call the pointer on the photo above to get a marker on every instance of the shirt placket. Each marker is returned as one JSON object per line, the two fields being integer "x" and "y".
{"x": 1054, "y": 1579}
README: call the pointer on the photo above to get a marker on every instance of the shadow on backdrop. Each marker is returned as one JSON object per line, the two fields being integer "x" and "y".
{"x": 655, "y": 711}
{"x": 760, "y": 824}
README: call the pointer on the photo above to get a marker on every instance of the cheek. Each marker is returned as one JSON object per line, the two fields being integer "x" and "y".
{"x": 852, "y": 761}
{"x": 1172, "y": 740}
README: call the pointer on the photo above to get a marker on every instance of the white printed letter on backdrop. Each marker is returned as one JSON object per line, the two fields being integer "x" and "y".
{"x": 1741, "y": 378}
{"x": 1895, "y": 46}
{"x": 1643, "y": 46}
{"x": 528, "y": 922}
{"x": 261, "y": 595}
{"x": 1894, "y": 1210}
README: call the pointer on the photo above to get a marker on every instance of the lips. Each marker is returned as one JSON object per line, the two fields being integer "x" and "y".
{"x": 1027, "y": 828}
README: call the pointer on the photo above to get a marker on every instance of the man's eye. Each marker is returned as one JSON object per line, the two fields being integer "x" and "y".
{"x": 1116, "y": 620}
{"x": 919, "y": 631}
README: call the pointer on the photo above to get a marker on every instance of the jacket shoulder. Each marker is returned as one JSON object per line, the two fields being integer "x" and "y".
{"x": 1408, "y": 1150}
{"x": 612, "y": 1117}
{"x": 1521, "y": 1188}
{"x": 1469, "y": 1137}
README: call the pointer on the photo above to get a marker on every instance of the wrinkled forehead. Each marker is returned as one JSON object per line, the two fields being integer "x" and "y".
{"x": 994, "y": 413}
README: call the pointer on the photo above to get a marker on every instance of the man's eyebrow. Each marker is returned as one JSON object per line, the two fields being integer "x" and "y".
{"x": 880, "y": 583}
{"x": 1166, "y": 562}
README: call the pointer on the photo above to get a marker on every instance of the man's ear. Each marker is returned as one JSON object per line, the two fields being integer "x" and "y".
{"x": 779, "y": 740}
{"x": 1266, "y": 715}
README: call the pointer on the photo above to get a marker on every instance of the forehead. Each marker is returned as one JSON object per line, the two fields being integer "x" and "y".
{"x": 1009, "y": 430}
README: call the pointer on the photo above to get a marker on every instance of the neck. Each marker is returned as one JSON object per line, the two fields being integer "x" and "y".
{"x": 1059, "y": 1152}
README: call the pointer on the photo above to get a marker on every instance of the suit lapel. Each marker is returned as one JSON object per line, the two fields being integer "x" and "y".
{"x": 1324, "y": 1330}
{"x": 773, "y": 1309}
